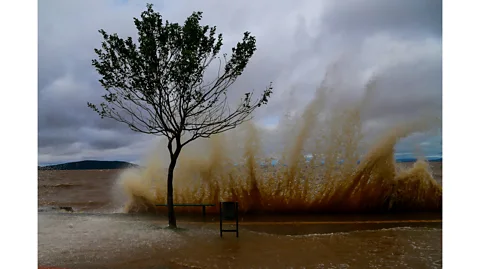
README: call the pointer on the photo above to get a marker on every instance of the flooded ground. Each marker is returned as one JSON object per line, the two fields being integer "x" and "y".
{"x": 135, "y": 241}
{"x": 97, "y": 235}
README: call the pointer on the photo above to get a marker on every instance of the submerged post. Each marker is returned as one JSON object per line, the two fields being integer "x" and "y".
{"x": 228, "y": 211}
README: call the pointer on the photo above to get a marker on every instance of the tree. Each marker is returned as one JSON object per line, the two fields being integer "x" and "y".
{"x": 156, "y": 86}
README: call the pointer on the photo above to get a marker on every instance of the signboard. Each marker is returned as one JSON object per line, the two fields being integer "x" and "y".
{"x": 228, "y": 211}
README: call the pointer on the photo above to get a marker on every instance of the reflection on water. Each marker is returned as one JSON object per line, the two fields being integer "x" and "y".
{"x": 133, "y": 241}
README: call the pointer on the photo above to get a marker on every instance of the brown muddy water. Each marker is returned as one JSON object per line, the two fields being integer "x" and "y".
{"x": 100, "y": 235}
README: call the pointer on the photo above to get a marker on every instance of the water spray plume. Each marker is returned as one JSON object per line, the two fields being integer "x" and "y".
{"x": 231, "y": 166}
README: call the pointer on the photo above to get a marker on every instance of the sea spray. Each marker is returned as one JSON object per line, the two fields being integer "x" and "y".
{"x": 232, "y": 166}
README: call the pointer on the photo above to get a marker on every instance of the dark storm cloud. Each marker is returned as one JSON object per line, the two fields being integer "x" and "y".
{"x": 408, "y": 18}
{"x": 59, "y": 137}
{"x": 408, "y": 89}
{"x": 296, "y": 41}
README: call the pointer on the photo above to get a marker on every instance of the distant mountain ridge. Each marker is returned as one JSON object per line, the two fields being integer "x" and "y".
{"x": 89, "y": 165}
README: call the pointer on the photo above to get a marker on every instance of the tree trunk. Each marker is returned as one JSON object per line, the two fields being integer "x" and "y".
{"x": 172, "y": 221}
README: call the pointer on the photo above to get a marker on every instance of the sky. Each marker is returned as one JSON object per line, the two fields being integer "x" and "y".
{"x": 296, "y": 41}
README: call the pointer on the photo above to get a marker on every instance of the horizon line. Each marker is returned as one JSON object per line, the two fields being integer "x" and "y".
{"x": 276, "y": 160}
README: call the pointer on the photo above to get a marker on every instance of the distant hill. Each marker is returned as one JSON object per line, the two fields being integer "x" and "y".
{"x": 89, "y": 165}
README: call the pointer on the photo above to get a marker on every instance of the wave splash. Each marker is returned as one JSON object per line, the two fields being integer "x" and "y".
{"x": 231, "y": 166}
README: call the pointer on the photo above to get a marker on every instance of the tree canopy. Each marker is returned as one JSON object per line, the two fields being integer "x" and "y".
{"x": 157, "y": 84}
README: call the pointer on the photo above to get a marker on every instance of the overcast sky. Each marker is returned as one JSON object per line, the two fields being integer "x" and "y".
{"x": 399, "y": 39}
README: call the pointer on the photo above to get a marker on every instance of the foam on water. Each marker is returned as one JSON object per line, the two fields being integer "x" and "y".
{"x": 69, "y": 238}
{"x": 406, "y": 228}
